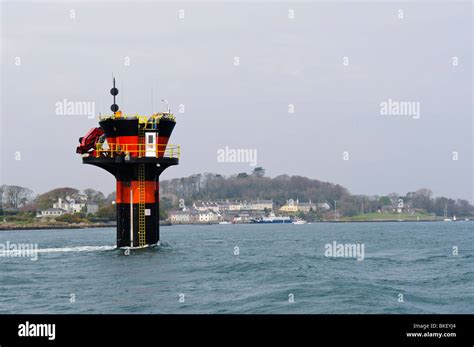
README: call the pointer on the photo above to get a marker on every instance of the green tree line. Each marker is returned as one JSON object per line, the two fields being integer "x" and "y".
{"x": 245, "y": 186}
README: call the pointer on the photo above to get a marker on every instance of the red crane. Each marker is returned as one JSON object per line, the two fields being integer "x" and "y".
{"x": 89, "y": 140}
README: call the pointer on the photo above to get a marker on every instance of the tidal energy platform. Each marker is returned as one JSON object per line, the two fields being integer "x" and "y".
{"x": 135, "y": 150}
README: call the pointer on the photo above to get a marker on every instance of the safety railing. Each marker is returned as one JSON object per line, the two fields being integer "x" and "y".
{"x": 139, "y": 150}
{"x": 141, "y": 119}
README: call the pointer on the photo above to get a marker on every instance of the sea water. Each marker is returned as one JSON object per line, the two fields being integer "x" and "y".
{"x": 407, "y": 267}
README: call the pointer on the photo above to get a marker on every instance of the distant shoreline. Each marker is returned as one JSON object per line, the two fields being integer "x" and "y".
{"x": 49, "y": 227}
{"x": 69, "y": 226}
{"x": 332, "y": 221}
{"x": 84, "y": 226}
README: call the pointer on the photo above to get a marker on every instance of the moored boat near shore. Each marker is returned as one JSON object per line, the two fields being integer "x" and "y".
{"x": 272, "y": 219}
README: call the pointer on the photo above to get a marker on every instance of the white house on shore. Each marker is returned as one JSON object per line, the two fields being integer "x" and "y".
{"x": 194, "y": 216}
{"x": 178, "y": 217}
{"x": 92, "y": 207}
{"x": 261, "y": 205}
{"x": 69, "y": 205}
{"x": 206, "y": 205}
{"x": 208, "y": 216}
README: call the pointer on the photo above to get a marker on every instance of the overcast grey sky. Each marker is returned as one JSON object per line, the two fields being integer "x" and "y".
{"x": 283, "y": 61}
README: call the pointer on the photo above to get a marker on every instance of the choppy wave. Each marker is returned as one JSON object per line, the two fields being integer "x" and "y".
{"x": 76, "y": 249}
{"x": 30, "y": 252}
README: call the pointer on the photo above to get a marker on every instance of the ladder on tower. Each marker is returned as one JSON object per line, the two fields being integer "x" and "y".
{"x": 141, "y": 190}
{"x": 141, "y": 205}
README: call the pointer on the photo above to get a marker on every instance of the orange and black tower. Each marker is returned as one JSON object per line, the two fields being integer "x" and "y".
{"x": 135, "y": 150}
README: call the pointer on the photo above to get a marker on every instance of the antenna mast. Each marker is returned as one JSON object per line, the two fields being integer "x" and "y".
{"x": 114, "y": 91}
